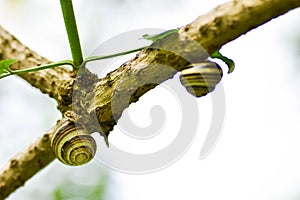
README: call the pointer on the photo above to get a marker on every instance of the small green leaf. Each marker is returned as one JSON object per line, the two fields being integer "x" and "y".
{"x": 228, "y": 61}
{"x": 4, "y": 67}
{"x": 159, "y": 36}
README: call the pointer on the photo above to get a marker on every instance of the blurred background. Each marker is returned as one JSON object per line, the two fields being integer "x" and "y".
{"x": 257, "y": 156}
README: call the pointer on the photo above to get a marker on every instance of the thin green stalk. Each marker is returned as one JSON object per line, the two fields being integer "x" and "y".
{"x": 67, "y": 62}
{"x": 228, "y": 61}
{"x": 92, "y": 58}
{"x": 33, "y": 69}
{"x": 71, "y": 27}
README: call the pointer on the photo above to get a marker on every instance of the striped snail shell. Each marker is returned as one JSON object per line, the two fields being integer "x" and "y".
{"x": 72, "y": 145}
{"x": 201, "y": 78}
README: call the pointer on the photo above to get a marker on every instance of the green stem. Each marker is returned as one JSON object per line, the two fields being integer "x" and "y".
{"x": 42, "y": 67}
{"x": 71, "y": 27}
{"x": 68, "y": 62}
{"x": 228, "y": 61}
{"x": 113, "y": 55}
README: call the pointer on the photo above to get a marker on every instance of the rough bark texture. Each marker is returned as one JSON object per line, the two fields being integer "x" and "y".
{"x": 126, "y": 84}
{"x": 56, "y": 82}
{"x": 25, "y": 165}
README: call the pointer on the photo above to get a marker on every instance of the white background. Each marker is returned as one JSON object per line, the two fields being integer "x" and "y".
{"x": 258, "y": 154}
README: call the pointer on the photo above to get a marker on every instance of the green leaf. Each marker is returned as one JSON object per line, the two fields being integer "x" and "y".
{"x": 228, "y": 61}
{"x": 159, "y": 36}
{"x": 4, "y": 67}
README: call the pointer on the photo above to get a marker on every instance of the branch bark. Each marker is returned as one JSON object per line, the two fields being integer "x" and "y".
{"x": 56, "y": 82}
{"x": 24, "y": 165}
{"x": 223, "y": 24}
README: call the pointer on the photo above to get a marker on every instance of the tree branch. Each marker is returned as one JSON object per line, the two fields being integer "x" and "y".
{"x": 26, "y": 164}
{"x": 223, "y": 24}
{"x": 56, "y": 82}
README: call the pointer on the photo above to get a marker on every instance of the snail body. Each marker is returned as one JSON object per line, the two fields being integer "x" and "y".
{"x": 200, "y": 79}
{"x": 72, "y": 145}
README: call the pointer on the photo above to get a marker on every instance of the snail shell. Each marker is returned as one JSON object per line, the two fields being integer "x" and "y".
{"x": 201, "y": 78}
{"x": 72, "y": 145}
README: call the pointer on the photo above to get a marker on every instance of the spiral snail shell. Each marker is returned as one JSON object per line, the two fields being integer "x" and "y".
{"x": 201, "y": 78}
{"x": 72, "y": 145}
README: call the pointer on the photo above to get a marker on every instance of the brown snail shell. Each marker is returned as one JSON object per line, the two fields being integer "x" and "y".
{"x": 72, "y": 145}
{"x": 201, "y": 78}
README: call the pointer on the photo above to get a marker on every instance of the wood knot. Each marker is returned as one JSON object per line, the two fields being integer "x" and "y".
{"x": 16, "y": 177}
{"x": 45, "y": 138}
{"x": 13, "y": 163}
{"x": 2, "y": 186}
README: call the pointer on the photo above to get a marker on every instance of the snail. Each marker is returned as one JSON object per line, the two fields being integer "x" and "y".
{"x": 71, "y": 143}
{"x": 201, "y": 78}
